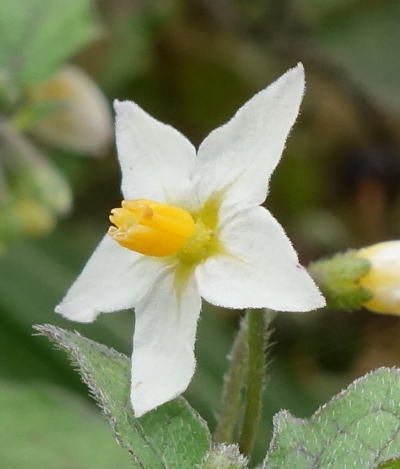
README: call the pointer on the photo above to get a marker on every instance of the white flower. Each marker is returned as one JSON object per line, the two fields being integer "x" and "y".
{"x": 210, "y": 240}
{"x": 383, "y": 278}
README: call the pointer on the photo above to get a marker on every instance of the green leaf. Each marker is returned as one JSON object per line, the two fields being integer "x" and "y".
{"x": 390, "y": 464}
{"x": 359, "y": 428}
{"x": 36, "y": 37}
{"x": 172, "y": 436}
{"x": 46, "y": 428}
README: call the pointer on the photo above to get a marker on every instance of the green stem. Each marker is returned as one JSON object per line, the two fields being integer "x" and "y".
{"x": 255, "y": 380}
{"x": 233, "y": 383}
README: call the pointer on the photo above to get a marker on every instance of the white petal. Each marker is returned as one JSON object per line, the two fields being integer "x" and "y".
{"x": 384, "y": 255}
{"x": 156, "y": 160}
{"x": 163, "y": 360}
{"x": 240, "y": 156}
{"x": 262, "y": 270}
{"x": 113, "y": 279}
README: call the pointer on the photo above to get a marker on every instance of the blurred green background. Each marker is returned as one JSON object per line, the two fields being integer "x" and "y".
{"x": 191, "y": 64}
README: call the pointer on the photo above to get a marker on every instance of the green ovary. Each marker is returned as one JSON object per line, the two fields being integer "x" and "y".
{"x": 203, "y": 244}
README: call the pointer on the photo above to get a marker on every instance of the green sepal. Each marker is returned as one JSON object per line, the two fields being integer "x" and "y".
{"x": 338, "y": 279}
{"x": 223, "y": 456}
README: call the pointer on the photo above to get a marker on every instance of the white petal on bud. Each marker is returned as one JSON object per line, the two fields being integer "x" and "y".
{"x": 383, "y": 279}
{"x": 83, "y": 121}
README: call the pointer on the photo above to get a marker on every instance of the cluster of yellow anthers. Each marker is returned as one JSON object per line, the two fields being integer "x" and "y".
{"x": 151, "y": 228}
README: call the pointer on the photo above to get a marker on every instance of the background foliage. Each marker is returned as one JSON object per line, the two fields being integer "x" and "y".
{"x": 191, "y": 64}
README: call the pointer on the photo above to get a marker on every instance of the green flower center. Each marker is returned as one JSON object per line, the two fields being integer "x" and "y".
{"x": 204, "y": 243}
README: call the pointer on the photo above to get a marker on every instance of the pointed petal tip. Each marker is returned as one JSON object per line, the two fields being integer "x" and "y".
{"x": 119, "y": 105}
{"x": 316, "y": 301}
{"x": 322, "y": 301}
{"x": 298, "y": 73}
{"x": 125, "y": 106}
{"x": 63, "y": 310}
{"x": 298, "y": 69}
{"x": 139, "y": 411}
{"x": 313, "y": 301}
{"x": 319, "y": 302}
{"x": 78, "y": 316}
{"x": 293, "y": 78}
{"x": 141, "y": 405}
{"x": 116, "y": 104}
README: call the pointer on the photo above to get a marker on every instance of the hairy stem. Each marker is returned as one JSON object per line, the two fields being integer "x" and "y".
{"x": 233, "y": 383}
{"x": 255, "y": 379}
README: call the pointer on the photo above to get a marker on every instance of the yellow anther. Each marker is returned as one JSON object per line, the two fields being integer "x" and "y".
{"x": 150, "y": 227}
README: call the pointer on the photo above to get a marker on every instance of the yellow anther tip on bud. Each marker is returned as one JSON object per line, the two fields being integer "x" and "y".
{"x": 151, "y": 228}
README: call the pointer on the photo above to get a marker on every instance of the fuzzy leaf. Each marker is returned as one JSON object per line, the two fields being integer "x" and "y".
{"x": 390, "y": 464}
{"x": 172, "y": 436}
{"x": 359, "y": 428}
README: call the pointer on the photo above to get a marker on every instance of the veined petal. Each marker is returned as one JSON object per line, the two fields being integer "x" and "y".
{"x": 163, "y": 360}
{"x": 156, "y": 160}
{"x": 113, "y": 279}
{"x": 262, "y": 269}
{"x": 240, "y": 156}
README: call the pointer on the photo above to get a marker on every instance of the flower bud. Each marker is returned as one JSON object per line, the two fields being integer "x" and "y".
{"x": 79, "y": 117}
{"x": 339, "y": 279}
{"x": 224, "y": 456}
{"x": 383, "y": 279}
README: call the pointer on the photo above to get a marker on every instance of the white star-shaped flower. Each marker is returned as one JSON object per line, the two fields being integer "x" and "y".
{"x": 190, "y": 227}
